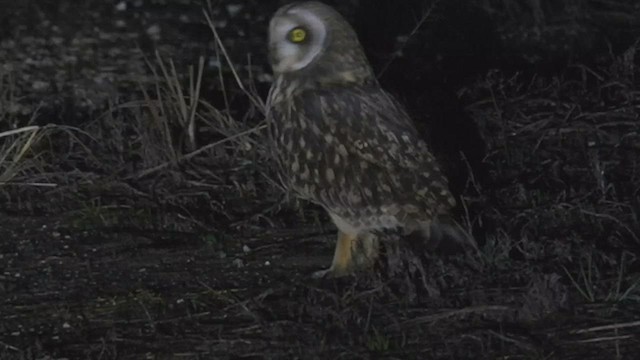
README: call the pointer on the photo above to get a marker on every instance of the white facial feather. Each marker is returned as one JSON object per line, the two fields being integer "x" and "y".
{"x": 288, "y": 56}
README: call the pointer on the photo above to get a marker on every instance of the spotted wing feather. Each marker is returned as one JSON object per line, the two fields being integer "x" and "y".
{"x": 357, "y": 149}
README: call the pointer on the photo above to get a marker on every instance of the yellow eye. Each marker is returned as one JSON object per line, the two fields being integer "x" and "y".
{"x": 297, "y": 35}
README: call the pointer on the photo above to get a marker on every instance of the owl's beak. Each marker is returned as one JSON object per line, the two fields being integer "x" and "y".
{"x": 273, "y": 58}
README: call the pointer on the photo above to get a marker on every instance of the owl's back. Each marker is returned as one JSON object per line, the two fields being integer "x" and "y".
{"x": 355, "y": 151}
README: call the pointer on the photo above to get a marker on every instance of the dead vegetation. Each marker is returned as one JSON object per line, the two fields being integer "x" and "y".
{"x": 161, "y": 233}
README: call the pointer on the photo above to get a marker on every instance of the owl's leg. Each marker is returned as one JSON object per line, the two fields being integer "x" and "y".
{"x": 342, "y": 259}
{"x": 366, "y": 250}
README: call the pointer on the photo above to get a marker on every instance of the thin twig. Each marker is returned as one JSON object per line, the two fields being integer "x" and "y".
{"x": 198, "y": 151}
{"x": 254, "y": 99}
{"x": 468, "y": 310}
{"x": 604, "y": 338}
{"x": 10, "y": 347}
{"x": 426, "y": 15}
{"x": 608, "y": 327}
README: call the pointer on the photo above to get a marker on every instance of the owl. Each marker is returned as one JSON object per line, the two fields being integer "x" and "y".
{"x": 341, "y": 141}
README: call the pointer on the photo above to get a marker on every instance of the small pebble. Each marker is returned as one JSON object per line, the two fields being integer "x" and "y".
{"x": 234, "y": 9}
{"x": 154, "y": 31}
{"x": 39, "y": 85}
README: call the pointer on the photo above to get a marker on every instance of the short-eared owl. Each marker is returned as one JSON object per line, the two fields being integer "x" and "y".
{"x": 340, "y": 140}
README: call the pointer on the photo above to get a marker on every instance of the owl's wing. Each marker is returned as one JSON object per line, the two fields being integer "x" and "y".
{"x": 373, "y": 132}
{"x": 371, "y": 125}
{"x": 381, "y": 158}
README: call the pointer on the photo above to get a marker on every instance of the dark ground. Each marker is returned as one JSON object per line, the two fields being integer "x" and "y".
{"x": 139, "y": 248}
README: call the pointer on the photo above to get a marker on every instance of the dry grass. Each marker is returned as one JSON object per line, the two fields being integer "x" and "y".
{"x": 18, "y": 159}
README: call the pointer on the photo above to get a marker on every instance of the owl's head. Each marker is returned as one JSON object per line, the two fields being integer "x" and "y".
{"x": 313, "y": 39}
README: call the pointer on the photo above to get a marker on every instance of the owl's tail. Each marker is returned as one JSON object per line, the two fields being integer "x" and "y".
{"x": 446, "y": 234}
{"x": 443, "y": 235}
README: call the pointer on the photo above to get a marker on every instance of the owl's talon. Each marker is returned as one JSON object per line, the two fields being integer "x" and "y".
{"x": 329, "y": 273}
{"x": 322, "y": 274}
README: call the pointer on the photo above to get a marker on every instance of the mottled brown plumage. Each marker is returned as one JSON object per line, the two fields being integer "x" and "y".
{"x": 340, "y": 140}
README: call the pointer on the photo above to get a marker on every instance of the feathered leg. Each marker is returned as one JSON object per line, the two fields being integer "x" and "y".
{"x": 342, "y": 257}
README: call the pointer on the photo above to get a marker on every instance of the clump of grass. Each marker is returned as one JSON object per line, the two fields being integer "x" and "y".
{"x": 594, "y": 287}
{"x": 562, "y": 150}
{"x": 14, "y": 151}
{"x": 564, "y": 163}
{"x": 175, "y": 125}
{"x": 18, "y": 154}
{"x": 174, "y": 149}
